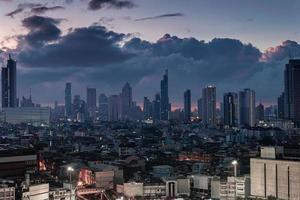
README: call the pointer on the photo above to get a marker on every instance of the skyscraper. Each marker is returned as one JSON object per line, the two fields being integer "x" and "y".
{"x": 292, "y": 91}
{"x": 147, "y": 108}
{"x": 229, "y": 106}
{"x": 114, "y": 108}
{"x": 91, "y": 102}
{"x": 68, "y": 100}
{"x": 187, "y": 106}
{"x": 164, "y": 95}
{"x": 260, "y": 112}
{"x": 156, "y": 107}
{"x": 9, "y": 84}
{"x": 280, "y": 106}
{"x": 103, "y": 107}
{"x": 209, "y": 106}
{"x": 126, "y": 101}
{"x": 247, "y": 108}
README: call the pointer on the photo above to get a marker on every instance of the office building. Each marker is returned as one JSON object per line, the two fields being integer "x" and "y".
{"x": 126, "y": 102}
{"x": 147, "y": 108}
{"x": 35, "y": 116}
{"x": 157, "y": 108}
{"x": 187, "y": 106}
{"x": 247, "y": 108}
{"x": 229, "y": 109}
{"x": 114, "y": 108}
{"x": 9, "y": 84}
{"x": 91, "y": 102}
{"x": 103, "y": 107}
{"x": 68, "y": 100}
{"x": 260, "y": 112}
{"x": 292, "y": 91}
{"x": 164, "y": 97}
{"x": 209, "y": 106}
{"x": 274, "y": 175}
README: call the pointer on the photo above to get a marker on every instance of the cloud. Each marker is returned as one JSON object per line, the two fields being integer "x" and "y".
{"x": 285, "y": 50}
{"x": 95, "y": 56}
{"x": 92, "y": 46}
{"x": 14, "y": 12}
{"x": 44, "y": 9}
{"x": 34, "y": 8}
{"x": 169, "y": 15}
{"x": 117, "y": 4}
{"x": 41, "y": 30}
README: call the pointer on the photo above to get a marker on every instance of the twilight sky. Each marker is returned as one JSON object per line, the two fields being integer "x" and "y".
{"x": 232, "y": 44}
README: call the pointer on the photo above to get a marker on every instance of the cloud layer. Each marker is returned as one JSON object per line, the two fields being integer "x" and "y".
{"x": 97, "y": 57}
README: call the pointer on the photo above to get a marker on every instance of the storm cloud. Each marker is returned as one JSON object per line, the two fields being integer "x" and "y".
{"x": 117, "y": 4}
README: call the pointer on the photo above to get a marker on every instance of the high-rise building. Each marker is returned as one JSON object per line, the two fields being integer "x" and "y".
{"x": 147, "y": 108}
{"x": 292, "y": 91}
{"x": 187, "y": 105}
{"x": 209, "y": 106}
{"x": 156, "y": 107}
{"x": 229, "y": 109}
{"x": 260, "y": 112}
{"x": 247, "y": 108}
{"x": 199, "y": 107}
{"x": 103, "y": 107}
{"x": 68, "y": 100}
{"x": 280, "y": 106}
{"x": 126, "y": 101}
{"x": 79, "y": 109}
{"x": 91, "y": 102}
{"x": 9, "y": 84}
{"x": 114, "y": 108}
{"x": 164, "y": 97}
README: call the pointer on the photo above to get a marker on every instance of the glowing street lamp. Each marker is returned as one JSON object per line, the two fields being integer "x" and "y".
{"x": 235, "y": 163}
{"x": 70, "y": 170}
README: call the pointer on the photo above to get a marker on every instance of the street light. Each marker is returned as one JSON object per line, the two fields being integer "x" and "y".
{"x": 235, "y": 163}
{"x": 70, "y": 170}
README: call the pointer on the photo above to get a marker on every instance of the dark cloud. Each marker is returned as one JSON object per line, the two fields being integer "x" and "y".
{"x": 169, "y": 15}
{"x": 118, "y": 4}
{"x": 14, "y": 12}
{"x": 34, "y": 8}
{"x": 41, "y": 30}
{"x": 44, "y": 9}
{"x": 92, "y": 56}
{"x": 93, "y": 46}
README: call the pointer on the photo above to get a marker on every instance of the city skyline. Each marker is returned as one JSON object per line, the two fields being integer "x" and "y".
{"x": 52, "y": 50}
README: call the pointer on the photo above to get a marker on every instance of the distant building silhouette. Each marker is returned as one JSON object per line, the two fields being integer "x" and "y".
{"x": 247, "y": 108}
{"x": 209, "y": 106}
{"x": 126, "y": 102}
{"x": 157, "y": 108}
{"x": 260, "y": 112}
{"x": 68, "y": 100}
{"x": 164, "y": 97}
{"x": 187, "y": 106}
{"x": 103, "y": 107}
{"x": 91, "y": 102}
{"x": 9, "y": 84}
{"x": 229, "y": 108}
{"x": 114, "y": 108}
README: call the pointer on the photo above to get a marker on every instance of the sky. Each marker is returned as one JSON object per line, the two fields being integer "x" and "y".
{"x": 231, "y": 44}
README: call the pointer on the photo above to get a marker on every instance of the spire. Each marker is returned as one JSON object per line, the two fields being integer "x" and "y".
{"x": 30, "y": 93}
